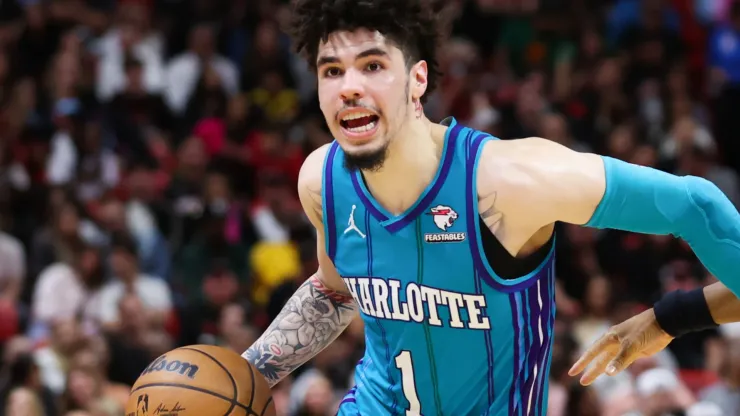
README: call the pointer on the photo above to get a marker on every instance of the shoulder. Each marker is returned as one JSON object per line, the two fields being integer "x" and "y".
{"x": 11, "y": 245}
{"x": 111, "y": 290}
{"x": 519, "y": 150}
{"x": 56, "y": 272}
{"x": 507, "y": 172}
{"x": 311, "y": 175}
{"x": 310, "y": 183}
{"x": 512, "y": 163}
{"x": 535, "y": 177}
{"x": 520, "y": 161}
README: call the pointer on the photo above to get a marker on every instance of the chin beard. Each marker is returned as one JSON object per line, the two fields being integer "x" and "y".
{"x": 368, "y": 161}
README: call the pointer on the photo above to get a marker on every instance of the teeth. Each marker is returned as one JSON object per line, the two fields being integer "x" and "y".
{"x": 355, "y": 116}
{"x": 362, "y": 129}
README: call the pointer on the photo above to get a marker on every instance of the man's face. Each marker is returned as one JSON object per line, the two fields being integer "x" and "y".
{"x": 122, "y": 263}
{"x": 363, "y": 84}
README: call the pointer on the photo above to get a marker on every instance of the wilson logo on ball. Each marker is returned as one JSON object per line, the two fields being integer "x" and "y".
{"x": 180, "y": 367}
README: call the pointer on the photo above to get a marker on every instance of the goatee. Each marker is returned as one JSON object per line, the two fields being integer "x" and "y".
{"x": 371, "y": 161}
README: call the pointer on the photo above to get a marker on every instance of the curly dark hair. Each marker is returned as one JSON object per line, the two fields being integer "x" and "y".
{"x": 414, "y": 26}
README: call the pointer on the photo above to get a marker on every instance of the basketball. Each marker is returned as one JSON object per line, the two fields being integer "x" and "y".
{"x": 200, "y": 380}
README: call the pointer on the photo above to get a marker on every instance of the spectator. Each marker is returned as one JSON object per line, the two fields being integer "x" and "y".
{"x": 136, "y": 343}
{"x": 148, "y": 222}
{"x": 185, "y": 190}
{"x": 598, "y": 304}
{"x": 95, "y": 356}
{"x": 55, "y": 242}
{"x": 726, "y": 394}
{"x": 233, "y": 328}
{"x": 312, "y": 395}
{"x": 65, "y": 339}
{"x": 724, "y": 81}
{"x": 12, "y": 267}
{"x": 555, "y": 128}
{"x": 85, "y": 391}
{"x": 130, "y": 36}
{"x": 211, "y": 272}
{"x": 137, "y": 115}
{"x": 660, "y": 392}
{"x": 724, "y": 51}
{"x": 98, "y": 170}
{"x": 68, "y": 289}
{"x": 21, "y": 371}
{"x": 23, "y": 401}
{"x": 184, "y": 70}
{"x": 153, "y": 292}
{"x": 274, "y": 213}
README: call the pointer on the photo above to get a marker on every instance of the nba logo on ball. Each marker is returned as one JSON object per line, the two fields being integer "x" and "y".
{"x": 142, "y": 405}
{"x": 200, "y": 380}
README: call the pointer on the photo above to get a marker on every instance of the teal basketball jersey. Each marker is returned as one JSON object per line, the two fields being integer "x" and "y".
{"x": 445, "y": 335}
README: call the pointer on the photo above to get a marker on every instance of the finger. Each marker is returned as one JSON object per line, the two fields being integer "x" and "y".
{"x": 622, "y": 359}
{"x": 598, "y": 368}
{"x": 598, "y": 347}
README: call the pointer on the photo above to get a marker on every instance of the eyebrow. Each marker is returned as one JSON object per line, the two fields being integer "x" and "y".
{"x": 364, "y": 54}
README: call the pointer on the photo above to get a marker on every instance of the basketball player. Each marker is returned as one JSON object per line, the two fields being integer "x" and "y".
{"x": 442, "y": 236}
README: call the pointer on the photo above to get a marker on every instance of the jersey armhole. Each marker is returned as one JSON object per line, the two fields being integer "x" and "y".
{"x": 327, "y": 203}
{"x": 480, "y": 260}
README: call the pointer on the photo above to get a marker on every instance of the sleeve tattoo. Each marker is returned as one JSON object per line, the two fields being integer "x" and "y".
{"x": 312, "y": 319}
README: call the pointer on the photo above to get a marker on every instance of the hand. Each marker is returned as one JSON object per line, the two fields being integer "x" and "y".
{"x": 637, "y": 337}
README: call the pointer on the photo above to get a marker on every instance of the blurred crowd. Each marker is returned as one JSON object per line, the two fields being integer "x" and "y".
{"x": 149, "y": 151}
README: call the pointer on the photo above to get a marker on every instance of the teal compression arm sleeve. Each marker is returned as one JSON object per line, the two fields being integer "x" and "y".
{"x": 649, "y": 201}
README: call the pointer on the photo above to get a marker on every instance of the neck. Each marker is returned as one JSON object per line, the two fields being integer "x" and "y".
{"x": 129, "y": 277}
{"x": 412, "y": 161}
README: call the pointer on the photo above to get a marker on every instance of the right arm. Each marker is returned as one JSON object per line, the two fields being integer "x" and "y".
{"x": 318, "y": 311}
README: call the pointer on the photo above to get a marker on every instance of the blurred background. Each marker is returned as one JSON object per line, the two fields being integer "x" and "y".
{"x": 149, "y": 151}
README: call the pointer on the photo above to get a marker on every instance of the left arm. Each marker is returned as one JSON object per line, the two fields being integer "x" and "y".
{"x": 601, "y": 192}
{"x": 644, "y": 335}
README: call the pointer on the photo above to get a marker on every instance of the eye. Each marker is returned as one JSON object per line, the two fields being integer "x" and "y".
{"x": 332, "y": 72}
{"x": 374, "y": 66}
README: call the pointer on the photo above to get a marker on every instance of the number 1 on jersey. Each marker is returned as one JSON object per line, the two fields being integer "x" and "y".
{"x": 406, "y": 365}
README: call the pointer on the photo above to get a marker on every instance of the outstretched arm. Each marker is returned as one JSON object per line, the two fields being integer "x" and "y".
{"x": 558, "y": 184}
{"x": 318, "y": 311}
{"x": 601, "y": 192}
{"x": 642, "y": 335}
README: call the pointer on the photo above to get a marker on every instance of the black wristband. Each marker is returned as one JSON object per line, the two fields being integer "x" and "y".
{"x": 681, "y": 312}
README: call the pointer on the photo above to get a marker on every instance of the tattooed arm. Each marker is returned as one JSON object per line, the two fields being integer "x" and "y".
{"x": 318, "y": 311}
{"x": 311, "y": 320}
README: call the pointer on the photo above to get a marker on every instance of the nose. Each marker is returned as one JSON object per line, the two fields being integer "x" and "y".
{"x": 352, "y": 86}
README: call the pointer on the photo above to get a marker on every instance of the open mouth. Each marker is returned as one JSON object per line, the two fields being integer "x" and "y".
{"x": 359, "y": 123}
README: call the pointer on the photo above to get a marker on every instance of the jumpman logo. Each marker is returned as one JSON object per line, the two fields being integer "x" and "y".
{"x": 351, "y": 223}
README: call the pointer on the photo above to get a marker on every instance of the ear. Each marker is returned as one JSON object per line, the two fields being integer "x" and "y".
{"x": 419, "y": 79}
